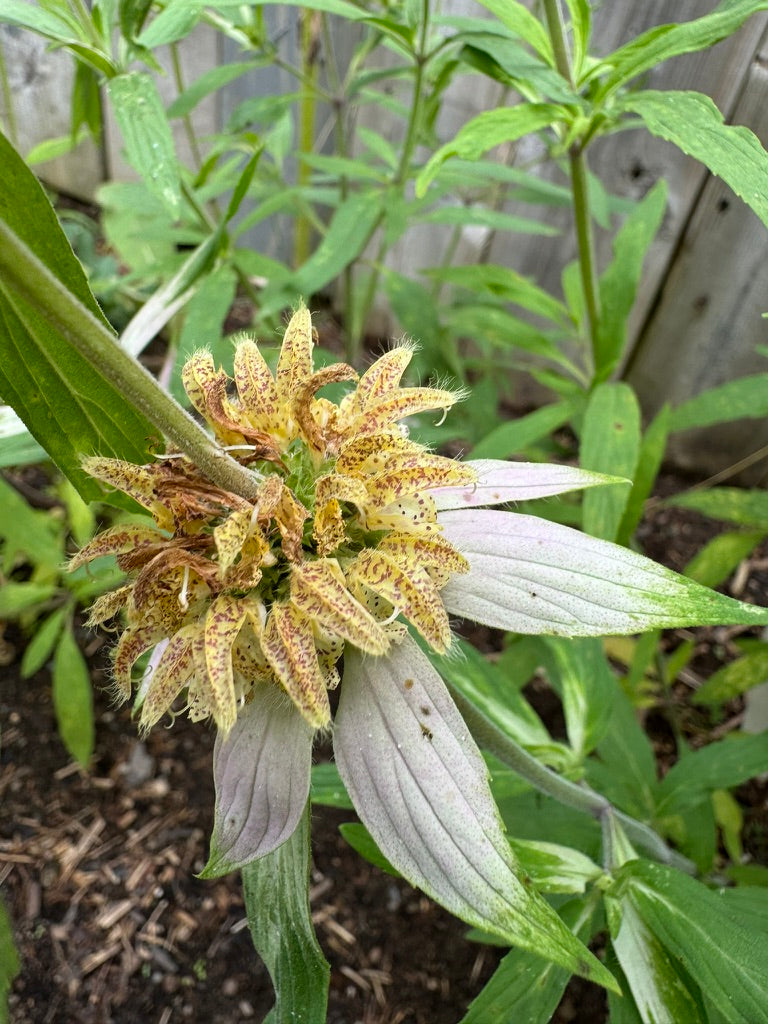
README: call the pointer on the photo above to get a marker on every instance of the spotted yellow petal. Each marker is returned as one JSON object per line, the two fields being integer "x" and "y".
{"x": 133, "y": 642}
{"x": 225, "y": 617}
{"x": 329, "y": 530}
{"x": 383, "y": 377}
{"x": 369, "y": 453}
{"x": 136, "y": 481}
{"x": 114, "y": 540}
{"x": 107, "y": 605}
{"x": 256, "y": 385}
{"x": 320, "y": 591}
{"x": 172, "y": 673}
{"x": 229, "y": 537}
{"x": 431, "y": 551}
{"x": 412, "y": 592}
{"x": 294, "y": 367}
{"x": 417, "y": 473}
{"x": 401, "y": 404}
{"x": 415, "y": 513}
{"x": 341, "y": 488}
{"x": 289, "y": 646}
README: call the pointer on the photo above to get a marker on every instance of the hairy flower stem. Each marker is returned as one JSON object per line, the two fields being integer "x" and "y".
{"x": 25, "y": 275}
{"x": 580, "y": 798}
{"x": 579, "y": 187}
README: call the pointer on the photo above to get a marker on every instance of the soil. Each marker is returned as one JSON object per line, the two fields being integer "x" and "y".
{"x": 98, "y": 869}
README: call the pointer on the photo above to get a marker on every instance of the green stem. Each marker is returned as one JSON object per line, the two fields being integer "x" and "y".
{"x": 580, "y": 798}
{"x": 25, "y": 275}
{"x": 398, "y": 180}
{"x": 189, "y": 129}
{"x": 579, "y": 185}
{"x": 10, "y": 116}
{"x": 307, "y": 106}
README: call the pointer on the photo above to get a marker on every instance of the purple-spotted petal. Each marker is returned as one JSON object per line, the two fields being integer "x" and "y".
{"x": 419, "y": 784}
{"x": 499, "y": 481}
{"x": 528, "y": 575}
{"x": 261, "y": 775}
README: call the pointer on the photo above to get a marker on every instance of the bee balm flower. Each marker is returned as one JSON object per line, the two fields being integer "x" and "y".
{"x": 357, "y": 536}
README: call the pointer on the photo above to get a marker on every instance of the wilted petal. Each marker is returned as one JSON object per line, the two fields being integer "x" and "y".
{"x": 528, "y": 575}
{"x": 499, "y": 481}
{"x": 134, "y": 641}
{"x": 178, "y": 662}
{"x": 261, "y": 773}
{"x": 420, "y": 786}
{"x": 114, "y": 541}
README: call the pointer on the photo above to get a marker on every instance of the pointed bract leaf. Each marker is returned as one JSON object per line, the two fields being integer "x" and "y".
{"x": 716, "y": 946}
{"x": 276, "y": 901}
{"x": 528, "y": 575}
{"x": 261, "y": 774}
{"x": 420, "y": 786}
{"x": 499, "y": 481}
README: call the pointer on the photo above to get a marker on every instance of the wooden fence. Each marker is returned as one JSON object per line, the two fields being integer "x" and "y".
{"x": 698, "y": 320}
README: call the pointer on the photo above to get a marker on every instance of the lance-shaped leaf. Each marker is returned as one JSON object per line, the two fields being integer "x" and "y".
{"x": 528, "y": 575}
{"x": 261, "y": 774}
{"x": 420, "y": 786}
{"x": 67, "y": 404}
{"x": 499, "y": 482}
{"x": 718, "y": 947}
{"x": 279, "y": 917}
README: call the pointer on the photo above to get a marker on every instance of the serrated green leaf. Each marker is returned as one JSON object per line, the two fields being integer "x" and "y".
{"x": 664, "y": 41}
{"x": 514, "y": 436}
{"x": 729, "y": 762}
{"x": 718, "y": 950}
{"x": 717, "y": 560}
{"x": 39, "y": 648}
{"x": 610, "y": 442}
{"x": 695, "y": 125}
{"x": 66, "y": 404}
{"x": 489, "y": 129}
{"x": 734, "y": 679}
{"x": 619, "y": 281}
{"x": 149, "y": 146}
{"x": 659, "y": 991}
{"x": 505, "y": 284}
{"x": 73, "y": 698}
{"x": 348, "y": 233}
{"x": 16, "y": 598}
{"x": 27, "y": 531}
{"x": 277, "y": 905}
{"x": 506, "y": 61}
{"x": 582, "y": 676}
{"x": 518, "y": 19}
{"x": 743, "y": 398}
{"x": 733, "y": 504}
{"x": 523, "y": 988}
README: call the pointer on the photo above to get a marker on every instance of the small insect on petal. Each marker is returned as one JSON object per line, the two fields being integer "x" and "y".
{"x": 289, "y": 646}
